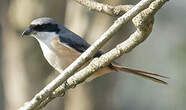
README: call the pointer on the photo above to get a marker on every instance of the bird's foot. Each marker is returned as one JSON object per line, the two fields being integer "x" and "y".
{"x": 65, "y": 87}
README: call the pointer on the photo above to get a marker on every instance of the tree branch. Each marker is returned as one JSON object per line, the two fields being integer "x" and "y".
{"x": 144, "y": 29}
{"x": 143, "y": 21}
{"x": 105, "y": 8}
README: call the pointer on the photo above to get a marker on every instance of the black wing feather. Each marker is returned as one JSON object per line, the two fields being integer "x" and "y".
{"x": 76, "y": 42}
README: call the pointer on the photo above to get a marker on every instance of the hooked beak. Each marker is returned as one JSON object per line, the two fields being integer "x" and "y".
{"x": 26, "y": 32}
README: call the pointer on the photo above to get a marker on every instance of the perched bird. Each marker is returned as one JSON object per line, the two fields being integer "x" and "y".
{"x": 61, "y": 47}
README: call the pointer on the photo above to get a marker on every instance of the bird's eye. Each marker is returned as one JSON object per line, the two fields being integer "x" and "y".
{"x": 34, "y": 27}
{"x": 43, "y": 26}
{"x": 31, "y": 27}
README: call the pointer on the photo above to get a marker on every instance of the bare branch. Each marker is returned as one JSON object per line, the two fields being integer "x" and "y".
{"x": 105, "y": 8}
{"x": 144, "y": 25}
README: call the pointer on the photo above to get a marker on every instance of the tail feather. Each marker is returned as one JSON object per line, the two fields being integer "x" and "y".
{"x": 143, "y": 74}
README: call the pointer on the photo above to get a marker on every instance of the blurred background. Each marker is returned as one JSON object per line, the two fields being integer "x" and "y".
{"x": 24, "y": 71}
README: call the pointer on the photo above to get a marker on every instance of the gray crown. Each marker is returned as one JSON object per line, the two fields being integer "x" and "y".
{"x": 44, "y": 20}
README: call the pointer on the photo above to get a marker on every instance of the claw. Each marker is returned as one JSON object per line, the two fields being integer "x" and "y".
{"x": 74, "y": 84}
{"x": 65, "y": 84}
{"x": 63, "y": 94}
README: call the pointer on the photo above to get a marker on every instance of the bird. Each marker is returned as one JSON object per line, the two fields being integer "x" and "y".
{"x": 61, "y": 47}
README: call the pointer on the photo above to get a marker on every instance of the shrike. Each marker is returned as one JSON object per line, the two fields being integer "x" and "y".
{"x": 61, "y": 47}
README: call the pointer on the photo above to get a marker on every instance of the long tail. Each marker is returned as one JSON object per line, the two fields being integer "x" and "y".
{"x": 146, "y": 75}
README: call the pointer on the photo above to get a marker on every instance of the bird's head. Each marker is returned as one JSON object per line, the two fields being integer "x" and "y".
{"x": 42, "y": 28}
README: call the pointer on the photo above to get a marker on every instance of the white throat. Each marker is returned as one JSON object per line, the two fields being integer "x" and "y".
{"x": 45, "y": 37}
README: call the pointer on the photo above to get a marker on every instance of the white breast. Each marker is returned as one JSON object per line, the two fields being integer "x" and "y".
{"x": 50, "y": 55}
{"x": 59, "y": 58}
{"x": 57, "y": 54}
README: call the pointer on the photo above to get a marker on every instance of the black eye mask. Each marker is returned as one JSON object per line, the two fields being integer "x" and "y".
{"x": 45, "y": 28}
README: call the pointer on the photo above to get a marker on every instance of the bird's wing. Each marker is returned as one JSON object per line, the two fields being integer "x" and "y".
{"x": 80, "y": 45}
{"x": 75, "y": 42}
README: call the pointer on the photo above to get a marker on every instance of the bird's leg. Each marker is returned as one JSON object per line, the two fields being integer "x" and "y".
{"x": 65, "y": 85}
